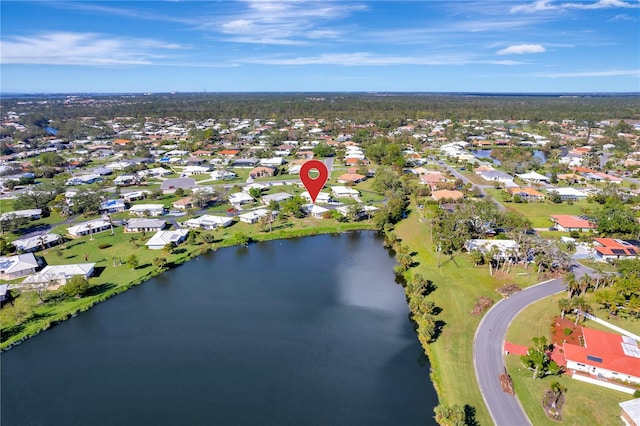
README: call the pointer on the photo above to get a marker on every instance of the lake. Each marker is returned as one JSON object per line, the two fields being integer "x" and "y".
{"x": 310, "y": 331}
{"x": 484, "y": 154}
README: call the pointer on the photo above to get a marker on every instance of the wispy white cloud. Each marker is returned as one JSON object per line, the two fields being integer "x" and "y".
{"x": 609, "y": 73}
{"x": 519, "y": 49}
{"x": 292, "y": 22}
{"x": 622, "y": 17}
{"x": 548, "y": 5}
{"x": 370, "y": 59}
{"x": 68, "y": 48}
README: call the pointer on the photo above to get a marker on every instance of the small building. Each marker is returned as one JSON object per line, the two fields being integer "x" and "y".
{"x": 125, "y": 180}
{"x": 527, "y": 194}
{"x": 630, "y": 412}
{"x": 112, "y": 206}
{"x": 209, "y": 222}
{"x": 31, "y": 214}
{"x": 568, "y": 193}
{"x": 533, "y": 177}
{"x": 262, "y": 172}
{"x": 240, "y": 198}
{"x": 611, "y": 249}
{"x": 36, "y": 243}
{"x": 12, "y": 267}
{"x": 314, "y": 210}
{"x": 59, "y": 274}
{"x": 321, "y": 198}
{"x": 504, "y": 248}
{"x": 183, "y": 203}
{"x": 277, "y": 197}
{"x": 255, "y": 215}
{"x": 196, "y": 170}
{"x": 147, "y": 210}
{"x": 161, "y": 238}
{"x": 145, "y": 225}
{"x": 344, "y": 192}
{"x": 89, "y": 227}
{"x": 569, "y": 223}
{"x": 351, "y": 178}
{"x": 447, "y": 194}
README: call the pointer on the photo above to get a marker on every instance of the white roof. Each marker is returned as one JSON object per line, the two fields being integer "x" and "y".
{"x": 254, "y": 214}
{"x": 344, "y": 190}
{"x": 145, "y": 223}
{"x": 20, "y": 262}
{"x": 322, "y": 197}
{"x": 632, "y": 408}
{"x": 239, "y": 197}
{"x": 532, "y": 176}
{"x": 84, "y": 226}
{"x": 26, "y": 244}
{"x": 162, "y": 238}
{"x": 486, "y": 245}
{"x": 57, "y": 272}
{"x": 568, "y": 191}
{"x": 209, "y": 220}
{"x": 143, "y": 207}
{"x": 21, "y": 213}
{"x": 314, "y": 209}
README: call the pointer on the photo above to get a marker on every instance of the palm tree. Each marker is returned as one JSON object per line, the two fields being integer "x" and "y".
{"x": 572, "y": 283}
{"x": 564, "y": 305}
{"x": 584, "y": 283}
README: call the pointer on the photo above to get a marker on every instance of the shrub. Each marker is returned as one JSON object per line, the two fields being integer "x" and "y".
{"x": 567, "y": 331}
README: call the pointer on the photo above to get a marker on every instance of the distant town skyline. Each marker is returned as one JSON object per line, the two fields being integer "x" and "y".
{"x": 508, "y": 46}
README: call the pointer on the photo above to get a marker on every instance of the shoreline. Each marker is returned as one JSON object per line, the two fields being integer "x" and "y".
{"x": 196, "y": 250}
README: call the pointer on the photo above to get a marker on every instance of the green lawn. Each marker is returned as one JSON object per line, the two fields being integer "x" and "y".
{"x": 539, "y": 213}
{"x": 112, "y": 278}
{"x": 459, "y": 283}
{"x": 534, "y": 321}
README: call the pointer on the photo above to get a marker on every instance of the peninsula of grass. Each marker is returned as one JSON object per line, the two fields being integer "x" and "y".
{"x": 27, "y": 315}
{"x": 459, "y": 284}
{"x": 581, "y": 398}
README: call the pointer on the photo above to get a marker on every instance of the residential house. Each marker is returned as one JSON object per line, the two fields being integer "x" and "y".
{"x": 255, "y": 215}
{"x": 240, "y": 198}
{"x": 527, "y": 194}
{"x": 569, "y": 223}
{"x": 147, "y": 210}
{"x": 321, "y": 198}
{"x": 125, "y": 180}
{"x": 314, "y": 210}
{"x": 89, "y": 227}
{"x": 209, "y": 222}
{"x": 244, "y": 162}
{"x": 145, "y": 225}
{"x": 31, "y": 214}
{"x": 277, "y": 197}
{"x": 196, "y": 170}
{"x": 504, "y": 249}
{"x": 272, "y": 162}
{"x": 161, "y": 238}
{"x": 344, "y": 192}
{"x": 223, "y": 174}
{"x": 112, "y": 206}
{"x": 497, "y": 176}
{"x": 605, "y": 355}
{"x": 12, "y": 267}
{"x": 569, "y": 193}
{"x": 36, "y": 243}
{"x": 611, "y": 249}
{"x": 533, "y": 177}
{"x": 183, "y": 203}
{"x": 59, "y": 274}
{"x": 446, "y": 194}
{"x": 134, "y": 196}
{"x": 261, "y": 172}
{"x": 351, "y": 178}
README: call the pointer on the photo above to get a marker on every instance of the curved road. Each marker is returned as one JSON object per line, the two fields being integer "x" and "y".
{"x": 488, "y": 345}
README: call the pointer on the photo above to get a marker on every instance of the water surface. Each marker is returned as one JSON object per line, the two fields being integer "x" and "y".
{"x": 311, "y": 331}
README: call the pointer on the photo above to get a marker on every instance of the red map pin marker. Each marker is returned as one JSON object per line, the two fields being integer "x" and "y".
{"x": 314, "y": 186}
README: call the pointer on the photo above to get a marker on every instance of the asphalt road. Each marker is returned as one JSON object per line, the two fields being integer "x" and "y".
{"x": 488, "y": 352}
{"x": 488, "y": 346}
{"x": 464, "y": 179}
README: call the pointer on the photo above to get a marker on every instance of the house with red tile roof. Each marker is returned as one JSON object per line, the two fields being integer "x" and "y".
{"x": 446, "y": 194}
{"x": 611, "y": 249}
{"x": 526, "y": 193}
{"x": 605, "y": 356}
{"x": 351, "y": 177}
{"x": 568, "y": 223}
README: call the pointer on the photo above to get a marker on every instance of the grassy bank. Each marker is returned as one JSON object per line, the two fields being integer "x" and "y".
{"x": 459, "y": 283}
{"x": 28, "y": 315}
{"x": 581, "y": 398}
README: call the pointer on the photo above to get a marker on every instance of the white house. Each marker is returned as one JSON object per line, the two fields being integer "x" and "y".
{"x": 145, "y": 225}
{"x": 89, "y": 227}
{"x": 322, "y": 198}
{"x": 272, "y": 162}
{"x": 344, "y": 192}
{"x": 112, "y": 206}
{"x": 605, "y": 356}
{"x": 147, "y": 210}
{"x": 569, "y": 193}
{"x": 240, "y": 198}
{"x": 161, "y": 238}
{"x": 17, "y": 266}
{"x": 124, "y": 180}
{"x": 255, "y": 215}
{"x": 533, "y": 177}
{"x": 504, "y": 248}
{"x": 209, "y": 222}
{"x": 35, "y": 243}
{"x": 59, "y": 274}
{"x": 196, "y": 170}
{"x": 25, "y": 214}
{"x": 223, "y": 174}
{"x": 314, "y": 210}
{"x": 277, "y": 197}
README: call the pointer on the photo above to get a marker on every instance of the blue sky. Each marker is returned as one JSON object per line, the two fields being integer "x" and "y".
{"x": 297, "y": 45}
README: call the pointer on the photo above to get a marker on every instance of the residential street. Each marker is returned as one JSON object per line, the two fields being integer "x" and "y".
{"x": 459, "y": 175}
{"x": 488, "y": 355}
